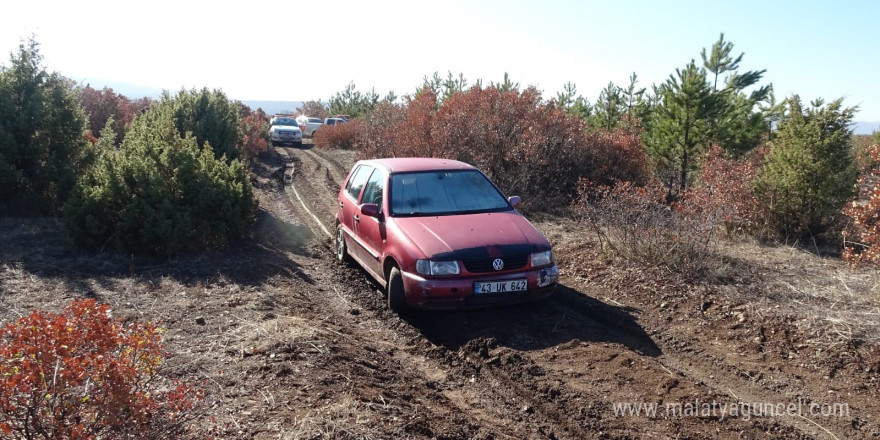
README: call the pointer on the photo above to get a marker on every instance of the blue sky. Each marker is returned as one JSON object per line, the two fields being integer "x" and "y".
{"x": 296, "y": 50}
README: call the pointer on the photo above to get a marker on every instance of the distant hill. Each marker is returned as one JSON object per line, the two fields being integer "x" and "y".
{"x": 132, "y": 91}
{"x": 135, "y": 91}
{"x": 866, "y": 127}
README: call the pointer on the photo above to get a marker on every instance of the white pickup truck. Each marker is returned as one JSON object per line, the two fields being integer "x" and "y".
{"x": 284, "y": 130}
{"x": 309, "y": 125}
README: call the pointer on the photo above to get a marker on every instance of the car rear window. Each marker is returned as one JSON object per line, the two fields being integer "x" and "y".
{"x": 444, "y": 193}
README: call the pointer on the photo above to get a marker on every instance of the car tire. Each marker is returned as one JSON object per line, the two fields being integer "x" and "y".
{"x": 341, "y": 249}
{"x": 274, "y": 144}
{"x": 298, "y": 144}
{"x": 396, "y": 295}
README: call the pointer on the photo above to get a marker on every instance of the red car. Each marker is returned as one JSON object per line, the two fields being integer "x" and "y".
{"x": 438, "y": 234}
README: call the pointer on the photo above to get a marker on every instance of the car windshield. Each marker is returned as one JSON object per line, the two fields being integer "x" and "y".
{"x": 284, "y": 121}
{"x": 444, "y": 193}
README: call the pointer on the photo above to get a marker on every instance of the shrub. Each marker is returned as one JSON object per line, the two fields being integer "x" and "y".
{"x": 80, "y": 374}
{"x": 526, "y": 147}
{"x": 254, "y": 132}
{"x": 209, "y": 116}
{"x": 862, "y": 240}
{"x": 377, "y": 135}
{"x": 160, "y": 194}
{"x": 42, "y": 135}
{"x": 341, "y": 136}
{"x": 106, "y": 107}
{"x": 635, "y": 223}
{"x": 809, "y": 173}
{"x": 725, "y": 189}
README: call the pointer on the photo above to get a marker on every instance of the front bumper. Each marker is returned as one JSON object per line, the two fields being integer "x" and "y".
{"x": 285, "y": 138}
{"x": 458, "y": 293}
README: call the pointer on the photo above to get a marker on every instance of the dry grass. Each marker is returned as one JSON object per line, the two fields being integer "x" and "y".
{"x": 830, "y": 301}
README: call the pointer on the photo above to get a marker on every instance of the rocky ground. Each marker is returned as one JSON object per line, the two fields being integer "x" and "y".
{"x": 289, "y": 344}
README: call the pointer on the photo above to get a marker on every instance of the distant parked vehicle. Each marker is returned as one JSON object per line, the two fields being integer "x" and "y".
{"x": 285, "y": 130}
{"x": 334, "y": 121}
{"x": 309, "y": 125}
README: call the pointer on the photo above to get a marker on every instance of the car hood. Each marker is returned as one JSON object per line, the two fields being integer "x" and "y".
{"x": 285, "y": 127}
{"x": 472, "y": 236}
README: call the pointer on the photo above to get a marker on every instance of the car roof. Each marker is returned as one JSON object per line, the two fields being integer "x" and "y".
{"x": 409, "y": 164}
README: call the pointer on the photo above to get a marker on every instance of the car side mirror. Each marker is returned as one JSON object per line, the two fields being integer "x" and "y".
{"x": 370, "y": 210}
{"x": 514, "y": 201}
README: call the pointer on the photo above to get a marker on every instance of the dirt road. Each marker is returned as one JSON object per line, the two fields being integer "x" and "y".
{"x": 578, "y": 365}
{"x": 289, "y": 344}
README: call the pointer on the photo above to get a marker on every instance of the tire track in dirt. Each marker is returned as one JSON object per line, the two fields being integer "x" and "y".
{"x": 312, "y": 187}
{"x": 492, "y": 369}
{"x": 452, "y": 374}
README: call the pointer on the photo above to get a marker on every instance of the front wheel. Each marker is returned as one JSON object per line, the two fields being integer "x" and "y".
{"x": 341, "y": 249}
{"x": 396, "y": 295}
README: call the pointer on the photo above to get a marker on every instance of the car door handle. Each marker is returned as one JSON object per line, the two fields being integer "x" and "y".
{"x": 357, "y": 218}
{"x": 341, "y": 204}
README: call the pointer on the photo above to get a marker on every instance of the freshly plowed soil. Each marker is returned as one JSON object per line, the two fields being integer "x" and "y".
{"x": 289, "y": 344}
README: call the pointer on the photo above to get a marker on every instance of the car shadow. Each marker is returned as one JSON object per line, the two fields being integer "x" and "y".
{"x": 568, "y": 315}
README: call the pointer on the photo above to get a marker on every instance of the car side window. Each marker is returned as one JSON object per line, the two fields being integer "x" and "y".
{"x": 357, "y": 180}
{"x": 373, "y": 190}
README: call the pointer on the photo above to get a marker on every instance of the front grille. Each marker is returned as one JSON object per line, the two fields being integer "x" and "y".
{"x": 485, "y": 264}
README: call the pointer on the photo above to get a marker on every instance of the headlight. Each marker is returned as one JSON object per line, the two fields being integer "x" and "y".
{"x": 542, "y": 258}
{"x": 428, "y": 267}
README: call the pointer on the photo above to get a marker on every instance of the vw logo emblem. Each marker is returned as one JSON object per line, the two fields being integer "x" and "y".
{"x": 498, "y": 264}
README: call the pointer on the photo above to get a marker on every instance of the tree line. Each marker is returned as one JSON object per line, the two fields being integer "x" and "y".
{"x": 801, "y": 167}
{"x": 149, "y": 176}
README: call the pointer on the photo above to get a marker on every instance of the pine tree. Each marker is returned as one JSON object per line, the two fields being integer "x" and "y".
{"x": 507, "y": 85}
{"x": 634, "y": 102}
{"x": 609, "y": 107}
{"x": 739, "y": 124}
{"x": 573, "y": 104}
{"x": 352, "y": 102}
{"x": 680, "y": 126}
{"x": 810, "y": 171}
{"x": 42, "y": 127}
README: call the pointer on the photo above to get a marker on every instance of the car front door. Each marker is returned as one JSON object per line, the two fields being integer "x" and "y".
{"x": 371, "y": 230}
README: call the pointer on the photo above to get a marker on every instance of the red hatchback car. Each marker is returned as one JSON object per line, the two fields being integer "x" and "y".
{"x": 438, "y": 234}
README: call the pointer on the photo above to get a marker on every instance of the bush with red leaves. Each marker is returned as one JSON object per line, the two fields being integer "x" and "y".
{"x": 254, "y": 132}
{"x": 81, "y": 375}
{"x": 862, "y": 237}
{"x": 102, "y": 105}
{"x": 341, "y": 136}
{"x": 725, "y": 193}
{"x": 526, "y": 147}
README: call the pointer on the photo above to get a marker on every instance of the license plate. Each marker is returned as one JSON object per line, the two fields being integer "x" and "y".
{"x": 501, "y": 286}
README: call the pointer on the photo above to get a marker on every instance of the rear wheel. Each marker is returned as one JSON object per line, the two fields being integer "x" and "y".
{"x": 396, "y": 295}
